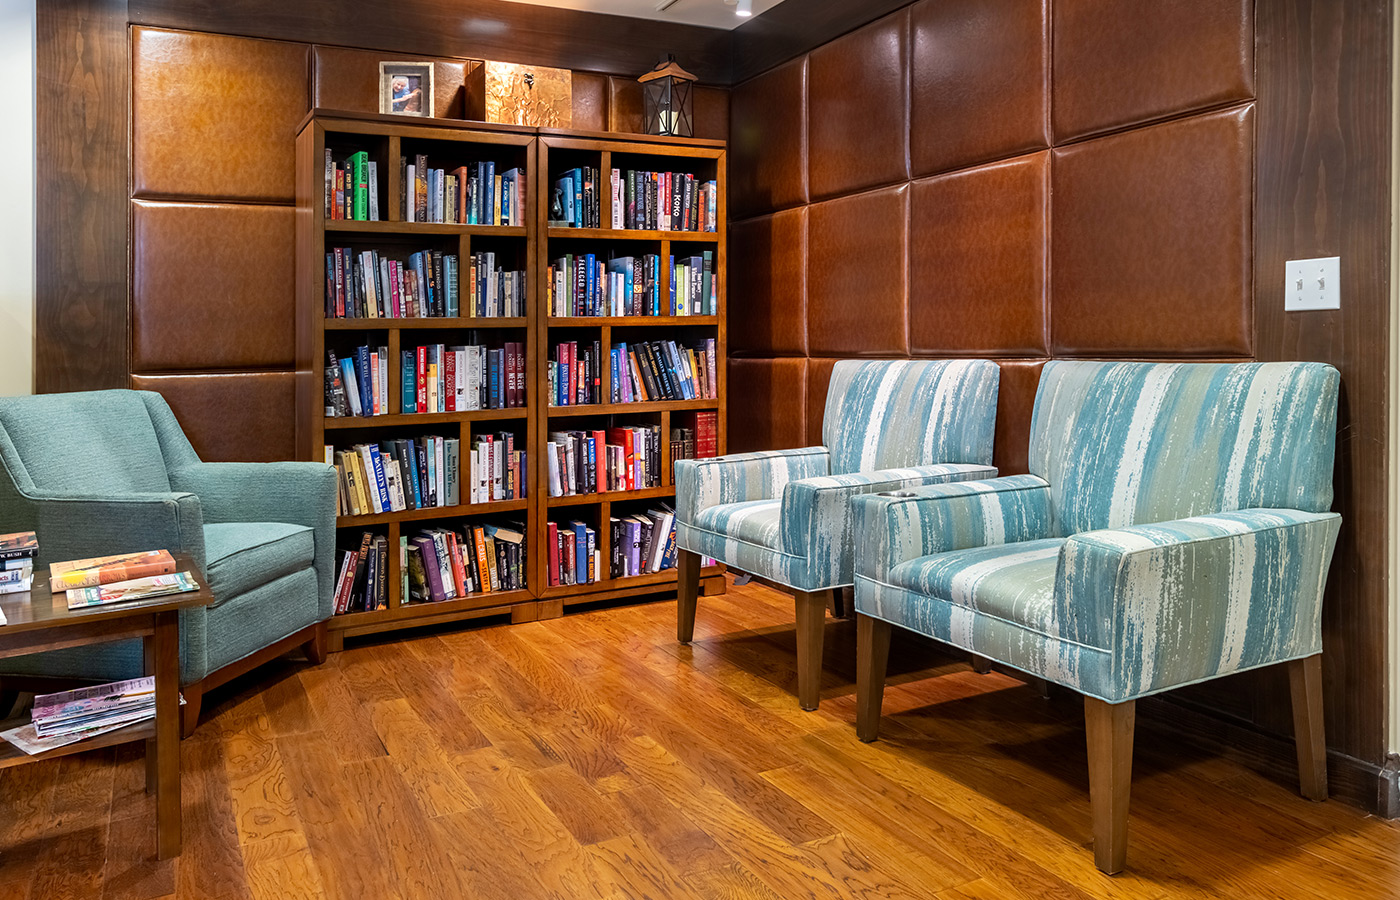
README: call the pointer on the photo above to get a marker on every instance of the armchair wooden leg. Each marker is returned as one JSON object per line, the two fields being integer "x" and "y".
{"x": 687, "y": 591}
{"x": 189, "y": 713}
{"x": 811, "y": 625}
{"x": 981, "y": 665}
{"x": 1109, "y": 728}
{"x": 872, "y": 661}
{"x": 317, "y": 648}
{"x": 840, "y": 608}
{"x": 1305, "y": 681}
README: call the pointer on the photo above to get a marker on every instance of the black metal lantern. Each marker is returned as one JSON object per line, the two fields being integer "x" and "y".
{"x": 666, "y": 102}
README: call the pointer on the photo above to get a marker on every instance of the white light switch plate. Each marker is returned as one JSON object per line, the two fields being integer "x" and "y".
{"x": 1312, "y": 284}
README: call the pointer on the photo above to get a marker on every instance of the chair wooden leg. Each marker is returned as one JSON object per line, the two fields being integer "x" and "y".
{"x": 981, "y": 665}
{"x": 189, "y": 713}
{"x": 1042, "y": 687}
{"x": 1109, "y": 728}
{"x": 317, "y": 648}
{"x": 687, "y": 591}
{"x": 872, "y": 661}
{"x": 811, "y": 625}
{"x": 1305, "y": 680}
{"x": 840, "y": 609}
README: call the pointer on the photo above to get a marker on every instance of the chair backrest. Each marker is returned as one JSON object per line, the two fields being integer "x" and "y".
{"x": 95, "y": 443}
{"x": 1134, "y": 443}
{"x": 886, "y": 414}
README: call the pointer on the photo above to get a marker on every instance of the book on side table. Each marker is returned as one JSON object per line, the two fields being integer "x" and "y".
{"x": 17, "y": 552}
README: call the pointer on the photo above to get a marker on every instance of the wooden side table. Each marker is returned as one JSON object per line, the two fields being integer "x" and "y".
{"x": 40, "y": 620}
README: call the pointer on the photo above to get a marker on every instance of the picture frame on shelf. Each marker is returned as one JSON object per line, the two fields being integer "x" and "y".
{"x": 406, "y": 88}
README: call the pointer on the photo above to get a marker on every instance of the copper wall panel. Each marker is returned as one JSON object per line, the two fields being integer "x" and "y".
{"x": 768, "y": 287}
{"x": 234, "y": 417}
{"x": 858, "y": 109}
{"x": 1015, "y": 400}
{"x": 857, "y": 274}
{"x": 1119, "y": 64}
{"x": 212, "y": 286}
{"x": 767, "y": 404}
{"x": 215, "y": 116}
{"x": 978, "y": 252}
{"x": 818, "y": 381}
{"x": 711, "y": 113}
{"x": 624, "y": 104}
{"x": 1152, "y": 243}
{"x": 349, "y": 79}
{"x": 768, "y": 141}
{"x": 590, "y": 101}
{"x": 978, "y": 82}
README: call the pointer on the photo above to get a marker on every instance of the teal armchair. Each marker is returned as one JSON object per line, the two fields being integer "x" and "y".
{"x": 111, "y": 472}
{"x": 1175, "y": 527}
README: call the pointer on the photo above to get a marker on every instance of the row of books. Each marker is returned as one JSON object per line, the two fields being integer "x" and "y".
{"x": 352, "y": 189}
{"x": 643, "y": 543}
{"x": 663, "y": 370}
{"x": 700, "y": 440}
{"x": 575, "y": 201}
{"x": 17, "y": 553}
{"x": 594, "y": 462}
{"x": 438, "y": 378}
{"x": 575, "y": 375}
{"x": 363, "y": 284}
{"x": 497, "y": 469}
{"x": 474, "y": 194}
{"x": 443, "y": 565}
{"x": 586, "y": 285}
{"x": 663, "y": 201}
{"x": 574, "y": 554}
{"x": 399, "y": 474}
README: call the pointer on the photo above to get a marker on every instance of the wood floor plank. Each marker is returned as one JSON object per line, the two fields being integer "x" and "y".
{"x": 262, "y": 799}
{"x": 632, "y": 869}
{"x": 426, "y": 768}
{"x": 731, "y": 882}
{"x": 132, "y": 871}
{"x": 211, "y": 864}
{"x": 591, "y": 817}
{"x": 281, "y": 867}
{"x": 71, "y": 859}
{"x": 684, "y": 846}
{"x": 340, "y": 716}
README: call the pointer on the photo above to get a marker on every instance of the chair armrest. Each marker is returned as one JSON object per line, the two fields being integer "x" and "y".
{"x": 817, "y": 517}
{"x": 1181, "y": 601}
{"x": 297, "y": 493}
{"x": 703, "y": 483}
{"x": 71, "y": 526}
{"x": 941, "y": 518}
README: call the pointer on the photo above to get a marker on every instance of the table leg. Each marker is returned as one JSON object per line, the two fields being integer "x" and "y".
{"x": 148, "y": 648}
{"x": 166, "y": 652}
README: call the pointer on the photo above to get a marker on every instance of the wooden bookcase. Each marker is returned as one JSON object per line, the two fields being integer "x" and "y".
{"x": 385, "y": 138}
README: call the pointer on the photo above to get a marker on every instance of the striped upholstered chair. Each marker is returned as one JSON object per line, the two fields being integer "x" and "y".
{"x": 785, "y": 516}
{"x": 1175, "y": 527}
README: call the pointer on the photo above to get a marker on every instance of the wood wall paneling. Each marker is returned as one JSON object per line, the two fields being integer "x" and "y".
{"x": 82, "y": 93}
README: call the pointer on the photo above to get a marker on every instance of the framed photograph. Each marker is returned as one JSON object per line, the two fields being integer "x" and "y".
{"x": 406, "y": 88}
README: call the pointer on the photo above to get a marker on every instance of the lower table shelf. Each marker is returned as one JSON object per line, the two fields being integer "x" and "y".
{"x": 10, "y": 755}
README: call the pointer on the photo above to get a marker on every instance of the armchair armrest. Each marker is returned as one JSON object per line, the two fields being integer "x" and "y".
{"x": 1181, "y": 601}
{"x": 817, "y": 517}
{"x": 941, "y": 518}
{"x": 702, "y": 483}
{"x": 297, "y": 493}
{"x": 71, "y": 526}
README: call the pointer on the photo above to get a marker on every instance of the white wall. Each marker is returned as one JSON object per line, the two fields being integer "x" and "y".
{"x": 17, "y": 197}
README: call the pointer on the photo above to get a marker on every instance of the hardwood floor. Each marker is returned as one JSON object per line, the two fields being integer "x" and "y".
{"x": 594, "y": 757}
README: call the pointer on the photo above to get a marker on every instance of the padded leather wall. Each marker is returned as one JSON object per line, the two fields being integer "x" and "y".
{"x": 970, "y": 189}
{"x": 213, "y": 128}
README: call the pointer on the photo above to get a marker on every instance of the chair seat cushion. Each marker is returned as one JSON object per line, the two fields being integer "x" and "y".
{"x": 243, "y": 556}
{"x": 1013, "y": 582}
{"x": 757, "y": 522}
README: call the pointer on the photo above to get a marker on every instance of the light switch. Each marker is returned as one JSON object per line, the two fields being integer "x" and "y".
{"x": 1312, "y": 284}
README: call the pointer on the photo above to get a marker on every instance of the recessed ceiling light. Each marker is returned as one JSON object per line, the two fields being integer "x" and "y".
{"x": 744, "y": 8}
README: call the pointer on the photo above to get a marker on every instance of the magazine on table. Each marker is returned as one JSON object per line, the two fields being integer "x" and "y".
{"x": 138, "y": 589}
{"x": 99, "y": 570}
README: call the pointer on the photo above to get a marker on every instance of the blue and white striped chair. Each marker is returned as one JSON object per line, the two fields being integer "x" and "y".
{"x": 785, "y": 515}
{"x": 1175, "y": 528}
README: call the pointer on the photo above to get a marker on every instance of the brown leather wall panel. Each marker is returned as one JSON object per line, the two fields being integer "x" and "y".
{"x": 977, "y": 247}
{"x": 212, "y": 286}
{"x": 711, "y": 113}
{"x": 767, "y": 404}
{"x": 1152, "y": 242}
{"x": 590, "y": 96}
{"x": 978, "y": 81}
{"x": 1119, "y": 64}
{"x": 349, "y": 79}
{"x": 215, "y": 116}
{"x": 624, "y": 104}
{"x": 858, "y": 109}
{"x": 768, "y": 141}
{"x": 1015, "y": 401}
{"x": 768, "y": 285}
{"x": 235, "y": 417}
{"x": 818, "y": 381}
{"x": 857, "y": 274}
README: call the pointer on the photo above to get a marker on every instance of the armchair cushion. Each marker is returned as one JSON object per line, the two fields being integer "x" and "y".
{"x": 246, "y": 555}
{"x": 1011, "y": 582}
{"x": 756, "y": 522}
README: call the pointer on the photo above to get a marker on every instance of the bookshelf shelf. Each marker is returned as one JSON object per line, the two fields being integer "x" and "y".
{"x": 539, "y": 155}
{"x": 424, "y": 324}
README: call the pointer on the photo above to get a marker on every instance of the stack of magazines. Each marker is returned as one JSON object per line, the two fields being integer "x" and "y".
{"x": 114, "y": 579}
{"x": 72, "y": 716}
{"x": 17, "y": 552}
